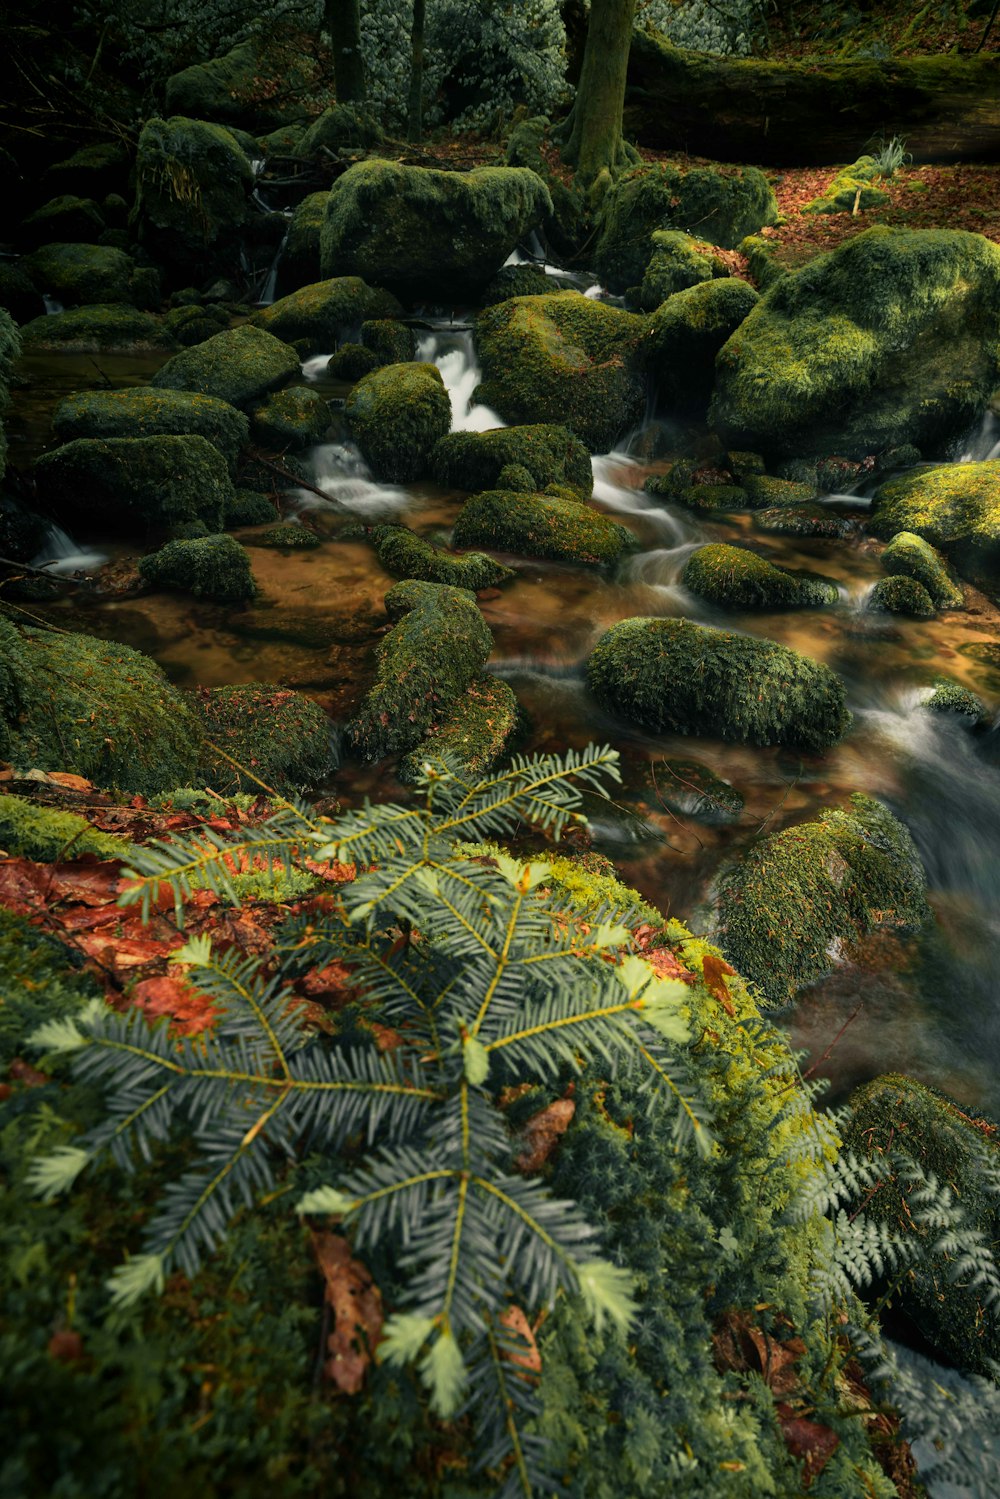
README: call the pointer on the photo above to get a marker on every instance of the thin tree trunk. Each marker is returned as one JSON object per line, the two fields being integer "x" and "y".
{"x": 595, "y": 145}
{"x": 414, "y": 106}
{"x": 342, "y": 23}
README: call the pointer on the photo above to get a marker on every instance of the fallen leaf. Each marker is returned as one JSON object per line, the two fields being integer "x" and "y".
{"x": 190, "y": 1011}
{"x": 541, "y": 1133}
{"x": 71, "y": 782}
{"x": 810, "y": 1441}
{"x": 714, "y": 971}
{"x": 329, "y": 985}
{"x": 23, "y": 1072}
{"x": 67, "y": 1347}
{"x": 514, "y": 1320}
{"x": 667, "y": 966}
{"x": 356, "y": 1306}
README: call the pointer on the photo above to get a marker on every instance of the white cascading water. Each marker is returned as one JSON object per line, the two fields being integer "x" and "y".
{"x": 51, "y": 305}
{"x": 338, "y": 469}
{"x": 269, "y": 292}
{"x": 62, "y": 555}
{"x": 984, "y": 444}
{"x": 453, "y": 354}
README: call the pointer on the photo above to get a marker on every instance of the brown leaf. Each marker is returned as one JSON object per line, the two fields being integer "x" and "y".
{"x": 738, "y": 1344}
{"x": 542, "y": 1131}
{"x": 23, "y": 1072}
{"x": 71, "y": 782}
{"x": 67, "y": 1347}
{"x": 189, "y": 1011}
{"x": 514, "y": 1320}
{"x": 809, "y": 1440}
{"x": 667, "y": 966}
{"x": 330, "y": 985}
{"x": 356, "y": 1306}
{"x": 714, "y": 971}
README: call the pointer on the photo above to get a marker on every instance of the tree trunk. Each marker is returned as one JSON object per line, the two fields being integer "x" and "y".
{"x": 342, "y": 23}
{"x": 414, "y": 115}
{"x": 594, "y": 143}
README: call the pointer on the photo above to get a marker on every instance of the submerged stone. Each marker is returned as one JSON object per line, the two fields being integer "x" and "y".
{"x": 397, "y": 414}
{"x": 735, "y": 578}
{"x": 239, "y": 366}
{"x": 541, "y": 525}
{"x": 694, "y": 790}
{"x": 901, "y": 595}
{"x": 145, "y": 412}
{"x": 805, "y": 520}
{"x": 547, "y": 453}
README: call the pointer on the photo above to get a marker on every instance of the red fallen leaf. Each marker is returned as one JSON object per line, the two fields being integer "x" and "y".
{"x": 542, "y": 1132}
{"x": 238, "y": 929}
{"x": 124, "y": 954}
{"x": 67, "y": 1347}
{"x": 190, "y": 1011}
{"x": 813, "y": 1443}
{"x": 514, "y": 1320}
{"x": 331, "y": 984}
{"x": 667, "y": 966}
{"x": 386, "y": 1039}
{"x": 339, "y": 874}
{"x": 356, "y": 1305}
{"x": 23, "y": 1072}
{"x": 714, "y": 971}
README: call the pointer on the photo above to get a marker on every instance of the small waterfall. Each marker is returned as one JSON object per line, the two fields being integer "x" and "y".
{"x": 453, "y": 354}
{"x": 62, "y": 555}
{"x": 269, "y": 292}
{"x": 51, "y": 305}
{"x": 314, "y": 367}
{"x": 629, "y": 499}
{"x": 984, "y": 444}
{"x": 338, "y": 469}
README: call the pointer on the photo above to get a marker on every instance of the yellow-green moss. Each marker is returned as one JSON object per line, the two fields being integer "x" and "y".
{"x": 143, "y": 412}
{"x": 684, "y": 335}
{"x": 913, "y": 557}
{"x": 320, "y": 314}
{"x": 29, "y": 830}
{"x": 548, "y": 454}
{"x": 293, "y": 418}
{"x": 209, "y": 567}
{"x": 81, "y": 274}
{"x": 956, "y": 509}
{"x": 735, "y": 578}
{"x": 475, "y": 732}
{"x": 541, "y": 525}
{"x": 405, "y": 555}
{"x": 397, "y": 414}
{"x": 239, "y": 365}
{"x": 851, "y": 190}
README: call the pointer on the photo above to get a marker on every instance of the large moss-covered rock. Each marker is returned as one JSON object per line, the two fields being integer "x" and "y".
{"x": 893, "y": 338}
{"x": 684, "y": 335}
{"x": 320, "y": 314}
{"x": 475, "y": 733}
{"x": 338, "y": 127}
{"x": 549, "y": 454}
{"x": 299, "y": 264}
{"x": 17, "y": 293}
{"x": 210, "y": 567}
{"x": 912, "y": 557}
{"x": 137, "y": 483}
{"x": 720, "y": 208}
{"x": 93, "y": 171}
{"x": 956, "y": 509}
{"x": 562, "y": 358}
{"x": 428, "y": 234}
{"x": 397, "y": 415}
{"x": 438, "y": 645}
{"x": 735, "y": 578}
{"x": 192, "y": 325}
{"x": 390, "y": 342}
{"x": 95, "y": 328}
{"x": 292, "y": 418}
{"x": 405, "y": 555}
{"x": 193, "y": 183}
{"x": 144, "y": 412}
{"x": 239, "y": 365}
{"x": 670, "y": 675}
{"x": 97, "y": 709}
{"x": 901, "y": 595}
{"x": 63, "y": 220}
{"x": 81, "y": 274}
{"x": 259, "y": 85}
{"x": 678, "y": 260}
{"x": 276, "y": 736}
{"x": 541, "y": 525}
{"x": 794, "y": 902}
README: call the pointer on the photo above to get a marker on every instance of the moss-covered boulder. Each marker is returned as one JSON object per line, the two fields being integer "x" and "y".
{"x": 81, "y": 274}
{"x": 951, "y": 697}
{"x": 955, "y": 508}
{"x": 210, "y": 567}
{"x": 259, "y": 85}
{"x": 735, "y": 578}
{"x": 475, "y": 733}
{"x": 389, "y": 341}
{"x": 293, "y": 418}
{"x": 144, "y": 412}
{"x": 804, "y": 520}
{"x": 958, "y": 1148}
{"x": 46, "y": 834}
{"x": 852, "y": 190}
{"x": 893, "y": 338}
{"x": 427, "y": 234}
{"x": 193, "y": 184}
{"x": 721, "y": 208}
{"x": 63, "y": 220}
{"x": 247, "y": 507}
{"x": 562, "y": 358}
{"x": 901, "y": 595}
{"x": 288, "y": 537}
{"x": 351, "y": 362}
{"x": 299, "y": 263}
{"x": 438, "y": 645}
{"x": 548, "y": 454}
{"x": 97, "y": 709}
{"x": 405, "y": 555}
{"x": 397, "y": 414}
{"x": 276, "y": 736}
{"x": 910, "y": 556}
{"x": 91, "y": 329}
{"x": 515, "y": 281}
{"x": 319, "y": 315}
{"x": 137, "y": 483}
{"x": 670, "y": 675}
{"x": 795, "y": 902}
{"x": 678, "y": 260}
{"x": 17, "y": 293}
{"x": 764, "y": 491}
{"x": 340, "y": 126}
{"x": 191, "y": 325}
{"x": 240, "y": 365}
{"x": 682, "y": 338}
{"x": 541, "y": 525}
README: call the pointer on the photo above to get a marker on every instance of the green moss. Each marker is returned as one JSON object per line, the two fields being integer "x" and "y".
{"x": 541, "y": 525}
{"x": 340, "y": 126}
{"x": 286, "y": 538}
{"x": 405, "y": 555}
{"x": 685, "y": 334}
{"x": 956, "y": 509}
{"x": 674, "y": 676}
{"x": 562, "y": 358}
{"x": 10, "y": 348}
{"x": 765, "y": 492}
{"x": 694, "y": 790}
{"x": 81, "y": 274}
{"x": 913, "y": 557}
{"x": 144, "y": 412}
{"x": 697, "y": 496}
{"x": 424, "y": 233}
{"x": 678, "y": 260}
{"x": 475, "y": 732}
{"x": 293, "y": 418}
{"x": 29, "y": 830}
{"x": 901, "y": 595}
{"x": 189, "y": 326}
{"x": 240, "y": 365}
{"x": 796, "y": 900}
{"x": 804, "y": 520}
{"x": 260, "y": 84}
{"x": 96, "y": 328}
{"x": 276, "y": 736}
{"x": 515, "y": 281}
{"x": 439, "y": 644}
{"x": 137, "y": 482}
{"x": 893, "y": 338}
{"x": 320, "y": 314}
{"x": 247, "y": 508}
{"x": 548, "y": 454}
{"x": 299, "y": 263}
{"x": 851, "y": 190}
{"x": 958, "y": 1148}
{"x": 763, "y": 268}
{"x": 63, "y": 220}
{"x": 389, "y": 341}
{"x": 952, "y": 697}
{"x": 210, "y": 567}
{"x": 193, "y": 183}
{"x": 397, "y": 414}
{"x": 734, "y": 578}
{"x": 100, "y": 710}
{"x": 743, "y": 465}
{"x": 351, "y": 362}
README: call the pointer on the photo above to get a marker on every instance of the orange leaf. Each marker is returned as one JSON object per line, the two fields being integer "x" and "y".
{"x": 542, "y": 1131}
{"x": 514, "y": 1320}
{"x": 356, "y": 1306}
{"x": 714, "y": 971}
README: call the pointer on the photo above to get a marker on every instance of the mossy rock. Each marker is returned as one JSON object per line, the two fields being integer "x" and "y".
{"x": 735, "y": 578}
{"x": 276, "y": 736}
{"x": 91, "y": 329}
{"x": 951, "y": 697}
{"x": 93, "y": 171}
{"x": 958, "y": 1148}
{"x": 209, "y": 567}
{"x": 98, "y": 709}
{"x": 296, "y": 417}
{"x": 389, "y": 341}
{"x": 397, "y": 414}
{"x": 63, "y": 220}
{"x": 893, "y": 338}
{"x": 912, "y": 557}
{"x": 684, "y": 335}
{"x": 562, "y": 358}
{"x": 701, "y": 496}
{"x": 694, "y": 790}
{"x": 189, "y": 326}
{"x": 678, "y": 260}
{"x": 763, "y": 267}
{"x": 246, "y": 507}
{"x": 22, "y": 532}
{"x": 720, "y": 208}
{"x": 351, "y": 362}
{"x": 672, "y": 676}
{"x": 805, "y": 520}
{"x": 547, "y": 453}
{"x": 851, "y": 190}
{"x": 427, "y": 234}
{"x": 240, "y": 365}
{"x": 541, "y": 525}
{"x": 139, "y": 483}
{"x": 797, "y": 900}
{"x": 285, "y": 538}
{"x": 438, "y": 645}
{"x": 340, "y": 126}
{"x": 318, "y": 315}
{"x": 474, "y": 734}
{"x": 955, "y": 508}
{"x": 299, "y": 263}
{"x": 901, "y": 595}
{"x": 29, "y": 830}
{"x": 260, "y": 84}
{"x": 145, "y": 412}
{"x": 17, "y": 293}
{"x": 405, "y": 555}
{"x": 515, "y": 281}
{"x": 764, "y": 492}
{"x": 81, "y": 274}
{"x": 567, "y": 226}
